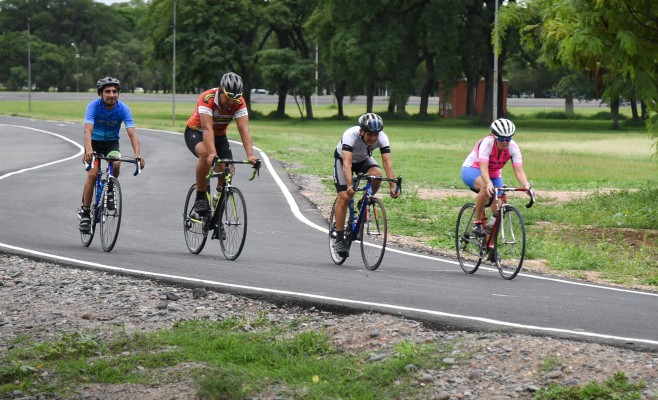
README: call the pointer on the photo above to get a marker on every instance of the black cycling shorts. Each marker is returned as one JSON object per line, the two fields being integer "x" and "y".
{"x": 194, "y": 137}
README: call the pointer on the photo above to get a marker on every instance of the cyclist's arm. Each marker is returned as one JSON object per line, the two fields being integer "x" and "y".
{"x": 86, "y": 136}
{"x": 486, "y": 179}
{"x": 134, "y": 141}
{"x": 390, "y": 173}
{"x": 521, "y": 176}
{"x": 243, "y": 128}
{"x": 208, "y": 136}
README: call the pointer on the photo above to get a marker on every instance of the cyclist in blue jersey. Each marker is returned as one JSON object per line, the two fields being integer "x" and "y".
{"x": 101, "y": 135}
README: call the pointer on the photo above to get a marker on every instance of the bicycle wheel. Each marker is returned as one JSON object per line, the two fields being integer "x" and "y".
{"x": 88, "y": 237}
{"x": 510, "y": 243}
{"x": 195, "y": 229}
{"x": 338, "y": 260}
{"x": 373, "y": 233}
{"x": 467, "y": 244}
{"x": 232, "y": 223}
{"x": 110, "y": 213}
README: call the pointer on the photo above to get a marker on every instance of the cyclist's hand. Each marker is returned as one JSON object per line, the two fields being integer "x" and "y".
{"x": 394, "y": 193}
{"x": 141, "y": 162}
{"x": 252, "y": 159}
{"x": 490, "y": 189}
{"x": 87, "y": 156}
{"x": 210, "y": 158}
{"x": 350, "y": 191}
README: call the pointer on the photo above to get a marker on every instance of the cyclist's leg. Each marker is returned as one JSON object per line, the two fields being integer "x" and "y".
{"x": 194, "y": 142}
{"x": 340, "y": 207}
{"x": 370, "y": 167}
{"x": 472, "y": 177}
{"x": 223, "y": 148}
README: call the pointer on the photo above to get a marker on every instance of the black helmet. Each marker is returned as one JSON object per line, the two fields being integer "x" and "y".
{"x": 107, "y": 81}
{"x": 231, "y": 83}
{"x": 371, "y": 122}
{"x": 503, "y": 128}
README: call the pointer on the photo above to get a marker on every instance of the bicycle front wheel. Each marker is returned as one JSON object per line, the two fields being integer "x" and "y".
{"x": 110, "y": 213}
{"x": 194, "y": 227}
{"x": 467, "y": 244}
{"x": 510, "y": 243}
{"x": 373, "y": 234}
{"x": 232, "y": 223}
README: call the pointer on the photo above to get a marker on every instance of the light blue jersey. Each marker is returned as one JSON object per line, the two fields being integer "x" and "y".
{"x": 107, "y": 124}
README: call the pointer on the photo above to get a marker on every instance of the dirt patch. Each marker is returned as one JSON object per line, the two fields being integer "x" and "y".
{"x": 545, "y": 195}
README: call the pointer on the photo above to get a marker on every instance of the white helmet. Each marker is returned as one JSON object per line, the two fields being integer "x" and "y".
{"x": 503, "y": 128}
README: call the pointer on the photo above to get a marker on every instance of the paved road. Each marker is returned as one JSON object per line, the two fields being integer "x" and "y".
{"x": 285, "y": 257}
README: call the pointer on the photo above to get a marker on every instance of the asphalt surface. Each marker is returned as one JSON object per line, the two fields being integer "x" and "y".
{"x": 286, "y": 254}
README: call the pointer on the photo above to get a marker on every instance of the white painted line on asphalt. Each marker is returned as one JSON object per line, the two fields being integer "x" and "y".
{"x": 301, "y": 295}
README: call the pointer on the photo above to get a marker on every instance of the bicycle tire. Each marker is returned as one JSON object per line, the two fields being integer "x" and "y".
{"x": 467, "y": 245}
{"x": 338, "y": 260}
{"x": 373, "y": 233}
{"x": 110, "y": 219}
{"x": 87, "y": 238}
{"x": 233, "y": 221}
{"x": 195, "y": 230}
{"x": 510, "y": 243}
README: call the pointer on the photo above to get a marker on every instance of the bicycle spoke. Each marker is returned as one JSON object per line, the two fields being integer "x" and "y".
{"x": 194, "y": 228}
{"x": 373, "y": 233}
{"x": 510, "y": 243}
{"x": 110, "y": 214}
{"x": 232, "y": 229}
{"x": 467, "y": 244}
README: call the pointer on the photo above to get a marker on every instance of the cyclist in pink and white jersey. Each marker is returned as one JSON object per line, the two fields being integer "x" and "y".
{"x": 483, "y": 167}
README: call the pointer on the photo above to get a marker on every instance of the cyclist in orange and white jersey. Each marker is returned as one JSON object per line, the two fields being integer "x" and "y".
{"x": 205, "y": 134}
{"x": 483, "y": 167}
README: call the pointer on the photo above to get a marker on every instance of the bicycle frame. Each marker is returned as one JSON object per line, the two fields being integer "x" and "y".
{"x": 500, "y": 213}
{"x": 104, "y": 176}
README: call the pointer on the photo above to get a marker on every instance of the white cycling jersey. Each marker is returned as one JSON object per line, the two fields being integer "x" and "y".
{"x": 351, "y": 141}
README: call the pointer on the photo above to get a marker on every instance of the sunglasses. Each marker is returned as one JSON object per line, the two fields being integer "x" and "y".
{"x": 504, "y": 139}
{"x": 233, "y": 96}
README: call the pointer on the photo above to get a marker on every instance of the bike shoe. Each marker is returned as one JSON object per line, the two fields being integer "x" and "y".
{"x": 341, "y": 248}
{"x": 85, "y": 224}
{"x": 200, "y": 207}
{"x": 221, "y": 232}
{"x": 493, "y": 257}
{"x": 479, "y": 230}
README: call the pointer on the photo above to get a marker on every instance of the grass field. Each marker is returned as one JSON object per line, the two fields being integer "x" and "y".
{"x": 610, "y": 236}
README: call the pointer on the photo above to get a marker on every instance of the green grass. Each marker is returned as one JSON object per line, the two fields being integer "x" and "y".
{"x": 226, "y": 361}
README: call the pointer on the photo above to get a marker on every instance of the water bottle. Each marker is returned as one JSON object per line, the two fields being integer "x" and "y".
{"x": 215, "y": 199}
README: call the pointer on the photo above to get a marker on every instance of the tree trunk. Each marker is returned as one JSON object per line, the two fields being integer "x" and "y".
{"x": 309, "y": 106}
{"x": 568, "y": 105}
{"x": 281, "y": 104}
{"x": 370, "y": 97}
{"x": 340, "y": 95}
{"x": 614, "y": 109}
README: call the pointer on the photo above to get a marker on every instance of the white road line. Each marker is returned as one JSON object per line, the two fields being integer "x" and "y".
{"x": 296, "y": 211}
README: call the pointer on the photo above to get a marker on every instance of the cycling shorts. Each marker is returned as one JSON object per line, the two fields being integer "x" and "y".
{"x": 194, "y": 137}
{"x": 360, "y": 167}
{"x": 105, "y": 147}
{"x": 470, "y": 174}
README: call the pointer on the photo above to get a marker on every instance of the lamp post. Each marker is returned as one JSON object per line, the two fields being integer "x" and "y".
{"x": 173, "y": 70}
{"x": 77, "y": 76}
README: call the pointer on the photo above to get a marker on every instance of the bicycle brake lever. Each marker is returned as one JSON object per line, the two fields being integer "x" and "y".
{"x": 398, "y": 188}
{"x": 531, "y": 193}
{"x": 138, "y": 166}
{"x": 88, "y": 165}
{"x": 256, "y": 170}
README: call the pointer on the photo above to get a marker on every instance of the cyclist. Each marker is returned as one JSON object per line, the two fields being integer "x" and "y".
{"x": 483, "y": 166}
{"x": 205, "y": 134}
{"x": 101, "y": 134}
{"x": 353, "y": 154}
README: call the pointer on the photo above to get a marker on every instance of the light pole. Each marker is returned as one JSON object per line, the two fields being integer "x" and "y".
{"x": 173, "y": 70}
{"x": 77, "y": 76}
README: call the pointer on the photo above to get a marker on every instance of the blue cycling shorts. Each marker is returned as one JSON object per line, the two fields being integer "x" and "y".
{"x": 470, "y": 174}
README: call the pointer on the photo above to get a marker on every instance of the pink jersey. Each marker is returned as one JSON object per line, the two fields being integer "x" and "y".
{"x": 486, "y": 151}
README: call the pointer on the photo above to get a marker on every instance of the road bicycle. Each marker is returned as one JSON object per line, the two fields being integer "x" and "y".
{"x": 106, "y": 202}
{"x": 505, "y": 241}
{"x": 366, "y": 223}
{"x": 227, "y": 214}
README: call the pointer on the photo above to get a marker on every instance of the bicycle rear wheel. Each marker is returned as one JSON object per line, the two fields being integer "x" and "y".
{"x": 194, "y": 228}
{"x": 338, "y": 260}
{"x": 373, "y": 234}
{"x": 467, "y": 244}
{"x": 232, "y": 223}
{"x": 88, "y": 237}
{"x": 110, "y": 215}
{"x": 510, "y": 243}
